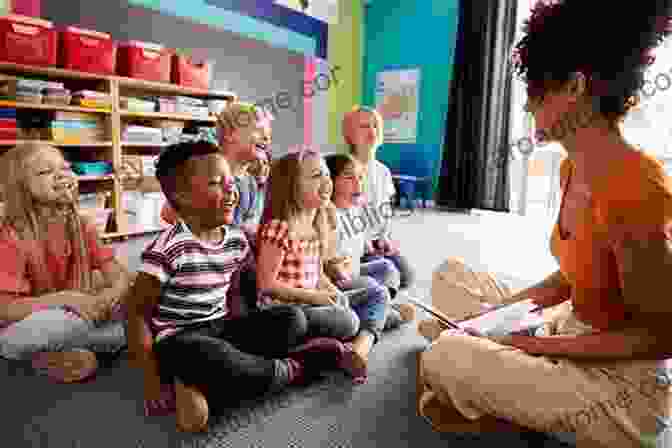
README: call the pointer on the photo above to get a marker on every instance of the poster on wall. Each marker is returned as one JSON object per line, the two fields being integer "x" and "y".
{"x": 397, "y": 100}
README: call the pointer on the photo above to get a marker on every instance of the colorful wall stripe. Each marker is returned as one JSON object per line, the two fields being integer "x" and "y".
{"x": 308, "y": 77}
{"x": 346, "y": 50}
{"x": 261, "y": 20}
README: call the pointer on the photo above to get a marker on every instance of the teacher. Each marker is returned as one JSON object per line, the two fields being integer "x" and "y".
{"x": 598, "y": 375}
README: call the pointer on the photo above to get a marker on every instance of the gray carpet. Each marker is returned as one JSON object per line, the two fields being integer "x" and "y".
{"x": 107, "y": 412}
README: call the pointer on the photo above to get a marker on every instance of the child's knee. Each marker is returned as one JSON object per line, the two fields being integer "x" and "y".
{"x": 352, "y": 323}
{"x": 17, "y": 348}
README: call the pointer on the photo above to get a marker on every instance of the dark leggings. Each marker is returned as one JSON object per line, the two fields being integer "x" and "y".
{"x": 406, "y": 272}
{"x": 232, "y": 359}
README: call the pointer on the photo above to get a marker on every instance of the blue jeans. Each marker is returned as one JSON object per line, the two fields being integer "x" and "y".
{"x": 407, "y": 275}
{"x": 369, "y": 299}
{"x": 55, "y": 330}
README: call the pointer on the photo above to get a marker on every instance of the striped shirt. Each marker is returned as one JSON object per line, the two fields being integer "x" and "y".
{"x": 195, "y": 276}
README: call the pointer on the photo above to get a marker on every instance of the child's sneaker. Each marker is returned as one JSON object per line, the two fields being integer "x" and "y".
{"x": 314, "y": 357}
{"x": 354, "y": 365}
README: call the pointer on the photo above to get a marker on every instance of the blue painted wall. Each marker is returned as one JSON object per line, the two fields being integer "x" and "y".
{"x": 421, "y": 34}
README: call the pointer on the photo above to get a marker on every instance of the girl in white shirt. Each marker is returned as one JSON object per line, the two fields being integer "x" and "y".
{"x": 367, "y": 285}
{"x": 363, "y": 132}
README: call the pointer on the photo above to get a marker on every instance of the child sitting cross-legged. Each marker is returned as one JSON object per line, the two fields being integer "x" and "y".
{"x": 183, "y": 331}
{"x": 294, "y": 239}
{"x": 366, "y": 284}
{"x": 55, "y": 311}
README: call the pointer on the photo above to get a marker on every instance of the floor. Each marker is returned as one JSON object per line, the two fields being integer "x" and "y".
{"x": 107, "y": 412}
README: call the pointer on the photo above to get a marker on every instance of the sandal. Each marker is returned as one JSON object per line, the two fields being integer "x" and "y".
{"x": 66, "y": 367}
{"x": 353, "y": 363}
{"x": 166, "y": 405}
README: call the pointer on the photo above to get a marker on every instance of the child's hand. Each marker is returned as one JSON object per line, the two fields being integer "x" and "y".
{"x": 324, "y": 297}
{"x": 390, "y": 248}
{"x": 369, "y": 249}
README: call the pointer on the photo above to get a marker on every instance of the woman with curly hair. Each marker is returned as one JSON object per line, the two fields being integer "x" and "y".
{"x": 597, "y": 374}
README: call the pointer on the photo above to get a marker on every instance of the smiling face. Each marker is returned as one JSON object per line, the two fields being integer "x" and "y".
{"x": 245, "y": 130}
{"x": 554, "y": 109}
{"x": 209, "y": 190}
{"x": 348, "y": 185}
{"x": 312, "y": 184}
{"x": 49, "y": 178}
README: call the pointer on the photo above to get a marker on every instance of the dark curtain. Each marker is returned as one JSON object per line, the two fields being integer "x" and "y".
{"x": 475, "y": 167}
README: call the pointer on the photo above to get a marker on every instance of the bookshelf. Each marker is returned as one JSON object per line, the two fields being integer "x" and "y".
{"x": 112, "y": 149}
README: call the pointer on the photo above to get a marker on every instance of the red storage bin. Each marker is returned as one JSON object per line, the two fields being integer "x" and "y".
{"x": 87, "y": 51}
{"x": 27, "y": 40}
{"x": 188, "y": 73}
{"x": 142, "y": 60}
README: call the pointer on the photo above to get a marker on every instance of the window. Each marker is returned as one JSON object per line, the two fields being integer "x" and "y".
{"x": 535, "y": 187}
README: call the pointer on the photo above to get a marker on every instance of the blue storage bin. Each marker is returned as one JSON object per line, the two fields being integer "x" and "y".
{"x": 92, "y": 168}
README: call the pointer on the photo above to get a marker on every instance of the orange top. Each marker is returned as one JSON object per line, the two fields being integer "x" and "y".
{"x": 635, "y": 196}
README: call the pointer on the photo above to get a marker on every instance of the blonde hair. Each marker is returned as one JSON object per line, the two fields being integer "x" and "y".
{"x": 238, "y": 115}
{"x": 20, "y": 214}
{"x": 349, "y": 124}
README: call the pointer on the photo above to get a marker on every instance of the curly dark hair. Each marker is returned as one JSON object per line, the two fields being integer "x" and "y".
{"x": 610, "y": 41}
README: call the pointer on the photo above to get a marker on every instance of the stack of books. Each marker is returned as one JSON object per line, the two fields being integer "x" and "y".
{"x": 76, "y": 127}
{"x": 8, "y": 128}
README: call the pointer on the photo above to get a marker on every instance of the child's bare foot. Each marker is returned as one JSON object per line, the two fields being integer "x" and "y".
{"x": 66, "y": 367}
{"x": 407, "y": 312}
{"x": 356, "y": 357}
{"x": 192, "y": 408}
{"x": 431, "y": 329}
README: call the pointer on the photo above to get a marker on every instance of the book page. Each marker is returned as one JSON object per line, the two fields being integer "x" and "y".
{"x": 504, "y": 320}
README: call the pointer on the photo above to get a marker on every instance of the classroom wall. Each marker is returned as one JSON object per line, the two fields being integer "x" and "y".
{"x": 346, "y": 50}
{"x": 254, "y": 70}
{"x": 413, "y": 34}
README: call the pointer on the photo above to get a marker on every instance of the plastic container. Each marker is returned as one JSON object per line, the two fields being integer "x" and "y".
{"x": 137, "y": 105}
{"x": 188, "y": 73}
{"x": 87, "y": 51}
{"x": 92, "y": 168}
{"x": 167, "y": 105}
{"x": 196, "y": 111}
{"x": 143, "y": 60}
{"x": 28, "y": 40}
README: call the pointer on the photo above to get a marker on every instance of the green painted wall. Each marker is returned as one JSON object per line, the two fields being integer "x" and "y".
{"x": 345, "y": 49}
{"x": 403, "y": 34}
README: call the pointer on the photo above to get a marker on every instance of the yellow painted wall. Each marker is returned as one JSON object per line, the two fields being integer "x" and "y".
{"x": 346, "y": 50}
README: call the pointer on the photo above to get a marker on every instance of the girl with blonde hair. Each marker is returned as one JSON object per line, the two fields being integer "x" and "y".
{"x": 363, "y": 132}
{"x": 53, "y": 311}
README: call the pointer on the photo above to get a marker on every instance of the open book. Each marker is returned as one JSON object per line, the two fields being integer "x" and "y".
{"x": 500, "y": 321}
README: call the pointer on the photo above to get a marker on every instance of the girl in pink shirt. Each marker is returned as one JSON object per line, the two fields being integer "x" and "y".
{"x": 293, "y": 240}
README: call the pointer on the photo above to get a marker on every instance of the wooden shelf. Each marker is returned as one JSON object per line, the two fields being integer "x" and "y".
{"x": 59, "y": 144}
{"x": 16, "y": 105}
{"x": 49, "y": 72}
{"x": 143, "y": 145}
{"x": 172, "y": 89}
{"x": 95, "y": 178}
{"x": 165, "y": 116}
{"x": 115, "y": 86}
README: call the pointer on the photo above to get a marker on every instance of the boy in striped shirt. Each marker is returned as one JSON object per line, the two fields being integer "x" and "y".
{"x": 183, "y": 330}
